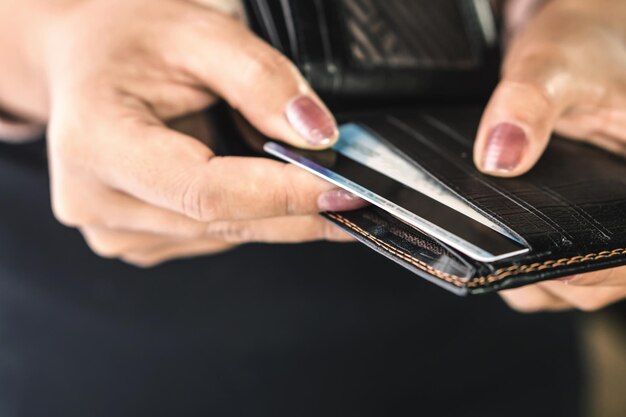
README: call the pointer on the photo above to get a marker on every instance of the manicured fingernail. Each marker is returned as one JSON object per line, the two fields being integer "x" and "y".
{"x": 505, "y": 148}
{"x": 339, "y": 200}
{"x": 311, "y": 121}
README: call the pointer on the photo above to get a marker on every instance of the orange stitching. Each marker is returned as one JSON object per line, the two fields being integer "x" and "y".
{"x": 451, "y": 278}
{"x": 498, "y": 275}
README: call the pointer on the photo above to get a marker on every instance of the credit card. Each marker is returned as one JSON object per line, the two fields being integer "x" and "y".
{"x": 362, "y": 146}
{"x": 365, "y": 166}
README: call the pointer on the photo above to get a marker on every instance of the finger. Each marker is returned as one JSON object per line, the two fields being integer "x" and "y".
{"x": 293, "y": 229}
{"x": 108, "y": 243}
{"x": 145, "y": 249}
{"x": 123, "y": 212}
{"x": 609, "y": 123}
{"x": 166, "y": 253}
{"x": 532, "y": 299}
{"x": 520, "y": 117}
{"x": 517, "y": 13}
{"x": 537, "y": 88}
{"x": 227, "y": 7}
{"x": 131, "y": 215}
{"x": 609, "y": 143}
{"x": 613, "y": 277}
{"x": 269, "y": 230}
{"x": 585, "y": 298}
{"x": 257, "y": 80}
{"x": 112, "y": 243}
{"x": 178, "y": 173}
{"x": 12, "y": 130}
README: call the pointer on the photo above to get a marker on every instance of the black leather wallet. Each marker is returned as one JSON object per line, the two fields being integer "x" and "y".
{"x": 385, "y": 49}
{"x": 570, "y": 210}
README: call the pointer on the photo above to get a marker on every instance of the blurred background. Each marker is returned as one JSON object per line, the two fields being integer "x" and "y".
{"x": 81, "y": 335}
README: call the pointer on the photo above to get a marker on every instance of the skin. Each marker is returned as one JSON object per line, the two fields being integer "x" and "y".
{"x": 108, "y": 84}
{"x": 564, "y": 72}
{"x": 137, "y": 189}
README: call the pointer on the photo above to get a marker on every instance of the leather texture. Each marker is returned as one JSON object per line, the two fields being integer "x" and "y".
{"x": 385, "y": 49}
{"x": 570, "y": 209}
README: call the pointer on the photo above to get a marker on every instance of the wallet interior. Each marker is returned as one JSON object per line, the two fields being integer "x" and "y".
{"x": 569, "y": 212}
{"x": 390, "y": 48}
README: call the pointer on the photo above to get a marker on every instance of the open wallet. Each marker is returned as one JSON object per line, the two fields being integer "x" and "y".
{"x": 407, "y": 80}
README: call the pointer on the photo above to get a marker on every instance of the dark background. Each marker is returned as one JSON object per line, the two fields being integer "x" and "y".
{"x": 306, "y": 330}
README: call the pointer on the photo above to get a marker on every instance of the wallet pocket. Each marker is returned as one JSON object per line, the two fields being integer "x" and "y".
{"x": 437, "y": 263}
{"x": 558, "y": 205}
{"x": 407, "y": 246}
{"x": 570, "y": 208}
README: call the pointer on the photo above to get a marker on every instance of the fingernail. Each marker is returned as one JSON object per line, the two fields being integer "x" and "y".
{"x": 505, "y": 148}
{"x": 339, "y": 200}
{"x": 311, "y": 121}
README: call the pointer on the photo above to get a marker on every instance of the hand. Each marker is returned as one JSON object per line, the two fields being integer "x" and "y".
{"x": 116, "y": 70}
{"x": 565, "y": 72}
{"x": 588, "y": 292}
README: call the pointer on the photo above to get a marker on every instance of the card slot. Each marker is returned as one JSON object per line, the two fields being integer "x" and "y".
{"x": 446, "y": 161}
{"x": 573, "y": 221}
{"x": 377, "y": 229}
{"x": 426, "y": 213}
{"x": 559, "y": 204}
{"x": 581, "y": 214}
{"x": 407, "y": 246}
{"x": 518, "y": 204}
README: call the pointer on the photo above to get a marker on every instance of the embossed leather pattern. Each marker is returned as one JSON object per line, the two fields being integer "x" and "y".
{"x": 388, "y": 49}
{"x": 570, "y": 208}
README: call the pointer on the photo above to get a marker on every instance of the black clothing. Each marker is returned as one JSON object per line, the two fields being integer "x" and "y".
{"x": 304, "y": 330}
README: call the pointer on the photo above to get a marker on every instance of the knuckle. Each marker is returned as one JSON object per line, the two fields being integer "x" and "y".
{"x": 293, "y": 198}
{"x": 197, "y": 205}
{"x": 70, "y": 212}
{"x": 283, "y": 202}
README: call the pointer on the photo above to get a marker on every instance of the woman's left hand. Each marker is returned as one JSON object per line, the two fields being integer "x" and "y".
{"x": 565, "y": 72}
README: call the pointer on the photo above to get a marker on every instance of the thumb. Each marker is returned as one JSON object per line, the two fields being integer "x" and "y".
{"x": 520, "y": 117}
{"x": 261, "y": 83}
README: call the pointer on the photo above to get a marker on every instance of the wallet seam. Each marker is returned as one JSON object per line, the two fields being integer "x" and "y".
{"x": 451, "y": 278}
{"x": 503, "y": 273}
{"x": 498, "y": 275}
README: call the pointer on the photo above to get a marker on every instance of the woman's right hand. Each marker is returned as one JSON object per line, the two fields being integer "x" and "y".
{"x": 115, "y": 71}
